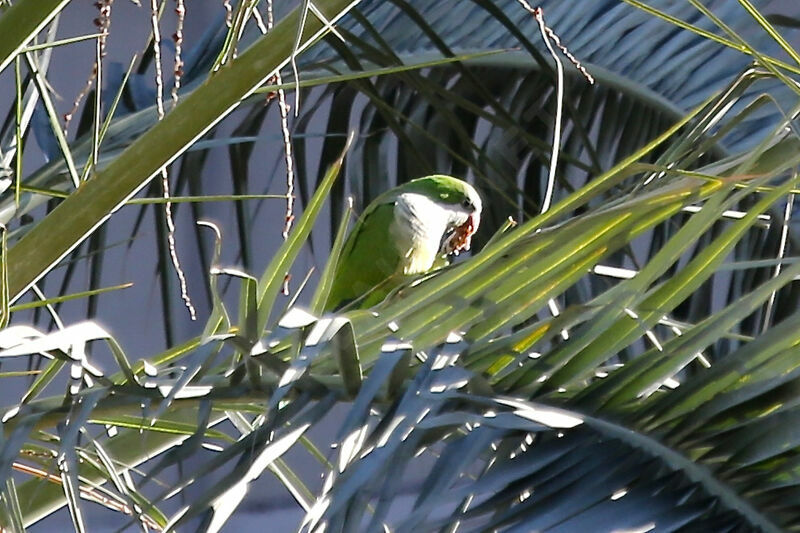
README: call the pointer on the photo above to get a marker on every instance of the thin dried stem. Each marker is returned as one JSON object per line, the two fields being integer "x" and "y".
{"x": 102, "y": 22}
{"x": 157, "y": 58}
{"x": 262, "y": 27}
{"x": 551, "y": 177}
{"x": 551, "y": 35}
{"x": 180, "y": 11}
{"x": 173, "y": 251}
{"x": 287, "y": 145}
{"x": 283, "y": 107}
{"x": 228, "y": 12}
{"x": 547, "y": 35}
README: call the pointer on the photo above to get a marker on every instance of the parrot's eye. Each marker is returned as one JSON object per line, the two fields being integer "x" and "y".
{"x": 466, "y": 203}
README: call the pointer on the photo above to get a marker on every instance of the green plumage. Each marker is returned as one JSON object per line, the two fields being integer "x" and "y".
{"x": 388, "y": 247}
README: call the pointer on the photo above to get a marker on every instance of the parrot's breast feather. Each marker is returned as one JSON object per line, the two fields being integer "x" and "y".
{"x": 415, "y": 231}
{"x": 418, "y": 229}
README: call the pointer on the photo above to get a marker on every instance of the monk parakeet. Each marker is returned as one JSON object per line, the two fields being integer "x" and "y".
{"x": 404, "y": 232}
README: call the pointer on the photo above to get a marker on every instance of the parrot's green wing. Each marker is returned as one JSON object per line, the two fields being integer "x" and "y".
{"x": 368, "y": 262}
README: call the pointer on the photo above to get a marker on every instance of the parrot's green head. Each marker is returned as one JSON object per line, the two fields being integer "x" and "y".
{"x": 445, "y": 208}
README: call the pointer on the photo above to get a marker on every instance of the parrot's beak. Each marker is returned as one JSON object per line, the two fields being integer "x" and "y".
{"x": 461, "y": 239}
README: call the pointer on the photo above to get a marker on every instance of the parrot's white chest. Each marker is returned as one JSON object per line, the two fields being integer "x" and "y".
{"x": 417, "y": 230}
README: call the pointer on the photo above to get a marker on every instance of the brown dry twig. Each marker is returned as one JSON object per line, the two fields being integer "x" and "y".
{"x": 177, "y": 37}
{"x": 102, "y": 23}
{"x": 171, "y": 243}
{"x": 538, "y": 14}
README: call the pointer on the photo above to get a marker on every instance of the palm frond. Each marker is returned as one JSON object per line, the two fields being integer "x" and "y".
{"x": 664, "y": 397}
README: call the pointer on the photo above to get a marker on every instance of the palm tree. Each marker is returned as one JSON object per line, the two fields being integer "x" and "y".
{"x": 621, "y": 357}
